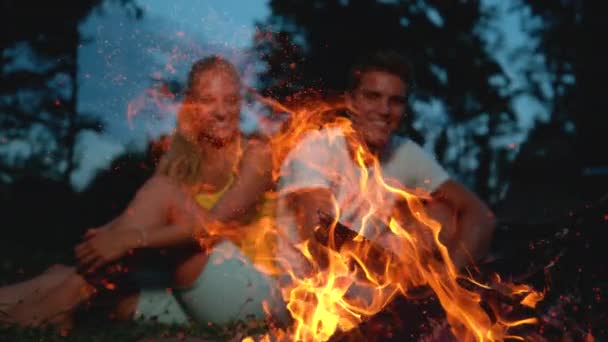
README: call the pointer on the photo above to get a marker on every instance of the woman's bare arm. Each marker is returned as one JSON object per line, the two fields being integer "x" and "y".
{"x": 253, "y": 180}
{"x": 162, "y": 215}
{"x": 147, "y": 210}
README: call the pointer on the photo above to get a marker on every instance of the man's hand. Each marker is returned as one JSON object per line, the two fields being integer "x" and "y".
{"x": 470, "y": 240}
{"x": 102, "y": 246}
{"x": 444, "y": 215}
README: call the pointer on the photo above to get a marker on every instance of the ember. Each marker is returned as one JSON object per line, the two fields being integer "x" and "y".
{"x": 355, "y": 272}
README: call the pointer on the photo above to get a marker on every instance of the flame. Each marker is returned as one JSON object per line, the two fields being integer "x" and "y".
{"x": 348, "y": 280}
{"x": 532, "y": 299}
{"x": 159, "y": 100}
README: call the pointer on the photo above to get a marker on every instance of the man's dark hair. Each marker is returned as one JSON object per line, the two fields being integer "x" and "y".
{"x": 393, "y": 63}
{"x": 383, "y": 60}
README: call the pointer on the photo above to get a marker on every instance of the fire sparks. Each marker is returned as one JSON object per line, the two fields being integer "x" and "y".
{"x": 349, "y": 280}
{"x": 346, "y": 273}
{"x": 160, "y": 97}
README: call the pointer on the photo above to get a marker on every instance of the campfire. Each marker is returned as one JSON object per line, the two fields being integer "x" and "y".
{"x": 353, "y": 270}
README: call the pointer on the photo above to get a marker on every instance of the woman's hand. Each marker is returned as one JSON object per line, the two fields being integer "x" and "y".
{"x": 102, "y": 246}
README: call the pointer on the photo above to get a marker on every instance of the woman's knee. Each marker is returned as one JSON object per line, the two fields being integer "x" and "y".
{"x": 60, "y": 269}
{"x": 159, "y": 194}
{"x": 189, "y": 269}
{"x": 126, "y": 307}
{"x": 163, "y": 186}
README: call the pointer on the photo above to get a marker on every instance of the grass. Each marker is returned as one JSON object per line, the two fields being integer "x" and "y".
{"x": 100, "y": 329}
{"x": 91, "y": 324}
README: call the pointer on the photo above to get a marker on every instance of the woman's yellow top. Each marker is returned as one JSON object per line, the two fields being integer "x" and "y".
{"x": 208, "y": 199}
{"x": 259, "y": 240}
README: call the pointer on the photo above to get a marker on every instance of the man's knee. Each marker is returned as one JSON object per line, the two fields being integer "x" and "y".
{"x": 445, "y": 216}
{"x": 439, "y": 211}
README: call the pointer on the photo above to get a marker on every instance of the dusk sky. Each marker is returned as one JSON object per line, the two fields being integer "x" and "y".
{"x": 125, "y": 55}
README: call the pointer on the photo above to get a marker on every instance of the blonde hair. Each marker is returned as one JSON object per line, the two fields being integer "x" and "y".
{"x": 184, "y": 160}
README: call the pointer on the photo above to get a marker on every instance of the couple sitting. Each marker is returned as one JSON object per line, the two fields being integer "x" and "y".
{"x": 211, "y": 184}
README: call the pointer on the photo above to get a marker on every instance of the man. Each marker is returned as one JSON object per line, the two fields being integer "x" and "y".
{"x": 322, "y": 170}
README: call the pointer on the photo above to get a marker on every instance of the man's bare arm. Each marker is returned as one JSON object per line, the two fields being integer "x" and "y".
{"x": 471, "y": 238}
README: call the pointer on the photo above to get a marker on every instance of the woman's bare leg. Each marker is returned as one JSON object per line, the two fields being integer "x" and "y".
{"x": 152, "y": 208}
{"x": 59, "y": 290}
{"x": 39, "y": 285}
{"x": 126, "y": 308}
{"x": 55, "y": 307}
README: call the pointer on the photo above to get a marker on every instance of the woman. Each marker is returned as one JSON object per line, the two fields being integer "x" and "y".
{"x": 210, "y": 174}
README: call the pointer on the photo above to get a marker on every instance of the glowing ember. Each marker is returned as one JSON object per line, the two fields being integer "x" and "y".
{"x": 335, "y": 285}
{"x": 160, "y": 97}
{"x": 348, "y": 272}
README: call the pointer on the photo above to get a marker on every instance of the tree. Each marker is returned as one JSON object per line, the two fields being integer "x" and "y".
{"x": 39, "y": 119}
{"x": 310, "y": 44}
{"x": 575, "y": 69}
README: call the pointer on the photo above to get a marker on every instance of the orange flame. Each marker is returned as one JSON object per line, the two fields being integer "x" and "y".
{"x": 160, "y": 96}
{"x": 348, "y": 281}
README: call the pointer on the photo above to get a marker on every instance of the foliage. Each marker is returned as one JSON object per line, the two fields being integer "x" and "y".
{"x": 39, "y": 115}
{"x": 311, "y": 44}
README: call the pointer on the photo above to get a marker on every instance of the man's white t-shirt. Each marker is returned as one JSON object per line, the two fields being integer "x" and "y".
{"x": 322, "y": 160}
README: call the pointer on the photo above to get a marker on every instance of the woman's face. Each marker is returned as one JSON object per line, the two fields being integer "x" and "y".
{"x": 214, "y": 106}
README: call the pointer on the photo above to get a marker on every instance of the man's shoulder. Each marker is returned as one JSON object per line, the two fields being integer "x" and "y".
{"x": 323, "y": 138}
{"x": 324, "y": 133}
{"x": 414, "y": 167}
{"x": 398, "y": 140}
{"x": 398, "y": 148}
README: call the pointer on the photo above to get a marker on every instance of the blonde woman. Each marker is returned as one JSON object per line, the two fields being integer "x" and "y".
{"x": 210, "y": 174}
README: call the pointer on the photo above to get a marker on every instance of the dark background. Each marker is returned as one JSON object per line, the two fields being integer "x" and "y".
{"x": 553, "y": 180}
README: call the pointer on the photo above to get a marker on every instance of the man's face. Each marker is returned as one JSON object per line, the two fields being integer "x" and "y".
{"x": 377, "y": 106}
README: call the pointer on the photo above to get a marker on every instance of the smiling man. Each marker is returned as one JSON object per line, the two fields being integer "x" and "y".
{"x": 315, "y": 174}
